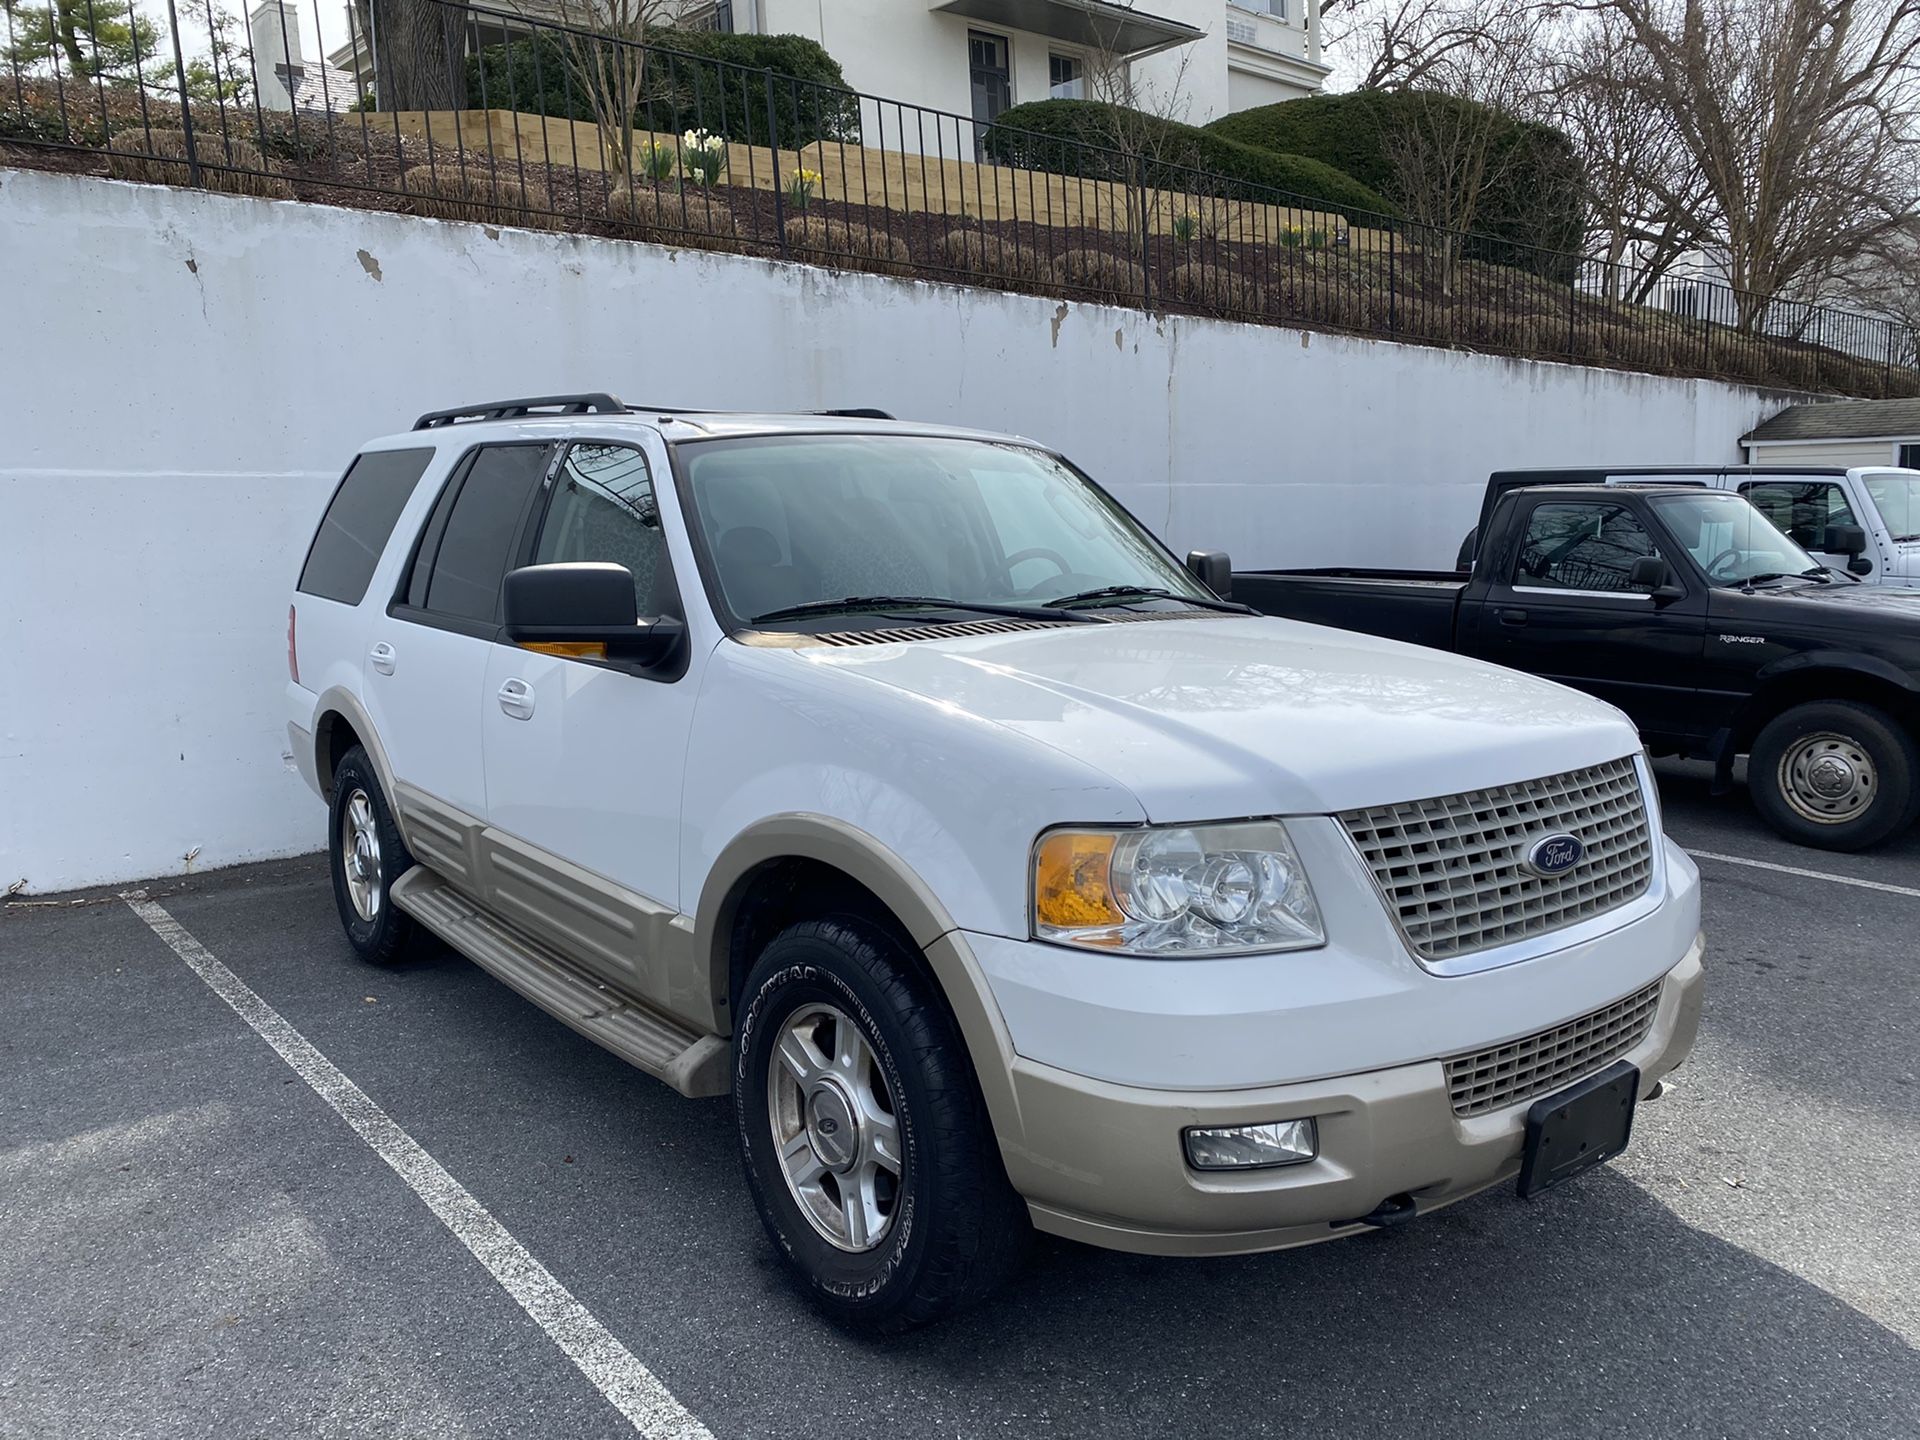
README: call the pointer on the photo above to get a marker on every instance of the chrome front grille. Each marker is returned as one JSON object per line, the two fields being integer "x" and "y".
{"x": 1522, "y": 1070}
{"x": 1452, "y": 869}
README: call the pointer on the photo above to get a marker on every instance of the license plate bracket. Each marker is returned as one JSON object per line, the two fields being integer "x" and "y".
{"x": 1572, "y": 1130}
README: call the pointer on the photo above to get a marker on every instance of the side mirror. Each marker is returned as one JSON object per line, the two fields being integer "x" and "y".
{"x": 1212, "y": 569}
{"x": 1848, "y": 540}
{"x": 1651, "y": 576}
{"x": 586, "y": 604}
{"x": 1647, "y": 574}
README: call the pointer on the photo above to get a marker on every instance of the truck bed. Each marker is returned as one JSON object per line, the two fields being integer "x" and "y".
{"x": 1412, "y": 605}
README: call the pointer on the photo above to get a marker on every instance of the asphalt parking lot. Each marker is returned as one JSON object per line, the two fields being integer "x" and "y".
{"x": 193, "y": 1242}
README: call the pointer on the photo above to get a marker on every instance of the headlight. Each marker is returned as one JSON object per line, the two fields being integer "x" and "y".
{"x": 1175, "y": 890}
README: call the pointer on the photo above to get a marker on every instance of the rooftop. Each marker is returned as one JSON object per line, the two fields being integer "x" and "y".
{"x": 1841, "y": 420}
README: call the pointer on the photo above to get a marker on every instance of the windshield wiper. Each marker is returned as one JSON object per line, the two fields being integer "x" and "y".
{"x": 853, "y": 604}
{"x": 1147, "y": 592}
{"x": 1766, "y": 575}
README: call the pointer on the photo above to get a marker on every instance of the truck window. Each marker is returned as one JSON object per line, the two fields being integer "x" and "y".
{"x": 1581, "y": 545}
{"x": 1801, "y": 510}
{"x": 359, "y": 522}
{"x": 1896, "y": 496}
{"x": 603, "y": 509}
{"x": 472, "y": 559}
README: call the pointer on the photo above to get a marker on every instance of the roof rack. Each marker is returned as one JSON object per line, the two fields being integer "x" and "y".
{"x": 856, "y": 413}
{"x": 590, "y": 404}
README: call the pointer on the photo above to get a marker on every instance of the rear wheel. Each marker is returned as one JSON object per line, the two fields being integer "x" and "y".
{"x": 1834, "y": 774}
{"x": 367, "y": 855}
{"x": 866, "y": 1141}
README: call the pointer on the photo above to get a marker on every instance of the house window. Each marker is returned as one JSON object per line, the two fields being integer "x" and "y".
{"x": 1909, "y": 457}
{"x": 1277, "y": 8}
{"x": 989, "y": 63}
{"x": 1066, "y": 77}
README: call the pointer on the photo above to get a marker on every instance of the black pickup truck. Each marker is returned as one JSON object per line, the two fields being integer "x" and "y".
{"x": 1685, "y": 607}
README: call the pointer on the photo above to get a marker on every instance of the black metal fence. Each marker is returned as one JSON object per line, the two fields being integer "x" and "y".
{"x": 546, "y": 125}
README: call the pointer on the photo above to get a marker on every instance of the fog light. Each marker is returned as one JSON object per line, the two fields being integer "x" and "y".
{"x": 1246, "y": 1147}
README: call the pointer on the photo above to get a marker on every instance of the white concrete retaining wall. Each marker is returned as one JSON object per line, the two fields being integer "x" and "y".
{"x": 182, "y": 376}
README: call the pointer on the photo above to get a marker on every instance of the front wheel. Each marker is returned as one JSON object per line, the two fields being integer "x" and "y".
{"x": 866, "y": 1142}
{"x": 1834, "y": 774}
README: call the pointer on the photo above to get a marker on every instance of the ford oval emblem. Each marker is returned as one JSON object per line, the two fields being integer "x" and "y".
{"x": 1555, "y": 854}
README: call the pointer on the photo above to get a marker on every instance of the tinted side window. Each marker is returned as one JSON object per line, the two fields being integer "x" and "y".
{"x": 1801, "y": 511}
{"x": 603, "y": 509}
{"x": 359, "y": 522}
{"x": 473, "y": 554}
{"x": 1582, "y": 546}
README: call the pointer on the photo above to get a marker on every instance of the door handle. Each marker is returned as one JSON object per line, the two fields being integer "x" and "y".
{"x": 1513, "y": 617}
{"x": 381, "y": 657}
{"x": 516, "y": 698}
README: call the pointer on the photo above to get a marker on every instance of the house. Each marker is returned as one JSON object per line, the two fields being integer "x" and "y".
{"x": 1194, "y": 59}
{"x": 283, "y": 76}
{"x": 1839, "y": 432}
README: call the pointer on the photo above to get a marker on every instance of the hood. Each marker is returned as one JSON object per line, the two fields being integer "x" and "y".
{"x": 1227, "y": 716}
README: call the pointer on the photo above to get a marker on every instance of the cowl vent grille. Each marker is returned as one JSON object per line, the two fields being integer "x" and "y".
{"x": 954, "y": 629}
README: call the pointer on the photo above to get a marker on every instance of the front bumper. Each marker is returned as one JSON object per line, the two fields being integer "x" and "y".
{"x": 1103, "y": 1163}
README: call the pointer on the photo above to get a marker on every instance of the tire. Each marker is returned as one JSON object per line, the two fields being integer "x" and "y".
{"x": 376, "y": 928}
{"x": 945, "y": 1228}
{"x": 1834, "y": 774}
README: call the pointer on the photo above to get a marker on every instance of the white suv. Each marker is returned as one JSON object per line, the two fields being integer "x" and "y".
{"x": 897, "y": 781}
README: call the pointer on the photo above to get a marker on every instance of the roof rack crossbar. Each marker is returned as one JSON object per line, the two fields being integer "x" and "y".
{"x": 594, "y": 403}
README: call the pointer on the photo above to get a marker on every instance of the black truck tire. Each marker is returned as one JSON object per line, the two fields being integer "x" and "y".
{"x": 1834, "y": 774}
{"x": 903, "y": 1123}
{"x": 366, "y": 855}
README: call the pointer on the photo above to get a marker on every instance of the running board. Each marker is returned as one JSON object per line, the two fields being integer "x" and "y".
{"x": 692, "y": 1063}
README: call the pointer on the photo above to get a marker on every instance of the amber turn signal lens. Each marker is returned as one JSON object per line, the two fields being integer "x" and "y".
{"x": 567, "y": 649}
{"x": 1071, "y": 888}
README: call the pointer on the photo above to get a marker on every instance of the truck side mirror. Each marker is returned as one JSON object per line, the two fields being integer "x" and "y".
{"x": 1848, "y": 540}
{"x": 589, "y": 608}
{"x": 1212, "y": 569}
{"x": 1647, "y": 574}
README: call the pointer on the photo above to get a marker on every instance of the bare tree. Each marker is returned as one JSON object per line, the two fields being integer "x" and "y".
{"x": 605, "y": 46}
{"x": 1140, "y": 118}
{"x": 1648, "y": 202}
{"x": 1798, "y": 117}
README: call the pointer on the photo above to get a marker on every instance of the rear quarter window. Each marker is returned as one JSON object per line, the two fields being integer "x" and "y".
{"x": 359, "y": 522}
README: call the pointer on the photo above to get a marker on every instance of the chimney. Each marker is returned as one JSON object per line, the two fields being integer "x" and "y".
{"x": 277, "y": 59}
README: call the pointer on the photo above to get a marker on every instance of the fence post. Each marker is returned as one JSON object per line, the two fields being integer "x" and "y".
{"x": 773, "y": 149}
{"x": 186, "y": 110}
{"x": 1393, "y": 280}
{"x": 1146, "y": 232}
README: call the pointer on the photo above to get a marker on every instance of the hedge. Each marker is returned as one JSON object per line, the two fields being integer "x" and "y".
{"x": 691, "y": 82}
{"x": 1076, "y": 137}
{"x": 1537, "y": 199}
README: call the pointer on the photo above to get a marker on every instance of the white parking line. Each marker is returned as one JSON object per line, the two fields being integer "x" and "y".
{"x": 1804, "y": 874}
{"x": 629, "y": 1386}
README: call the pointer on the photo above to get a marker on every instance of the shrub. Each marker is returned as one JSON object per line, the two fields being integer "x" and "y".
{"x": 1105, "y": 275}
{"x": 669, "y": 214}
{"x": 854, "y": 246}
{"x": 696, "y": 80}
{"x": 977, "y": 253}
{"x": 1213, "y": 287}
{"x": 160, "y": 156}
{"x": 449, "y": 192}
{"x": 1076, "y": 137}
{"x": 1537, "y": 199}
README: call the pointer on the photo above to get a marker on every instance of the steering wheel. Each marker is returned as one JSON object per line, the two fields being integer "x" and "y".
{"x": 1040, "y": 552}
{"x": 1713, "y": 565}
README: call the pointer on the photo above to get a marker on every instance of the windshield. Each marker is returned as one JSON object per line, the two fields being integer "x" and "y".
{"x": 1733, "y": 542}
{"x": 791, "y": 520}
{"x": 1896, "y": 495}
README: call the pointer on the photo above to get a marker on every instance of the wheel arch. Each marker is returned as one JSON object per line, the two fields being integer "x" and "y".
{"x": 1815, "y": 676}
{"x": 788, "y": 867}
{"x": 341, "y": 722}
